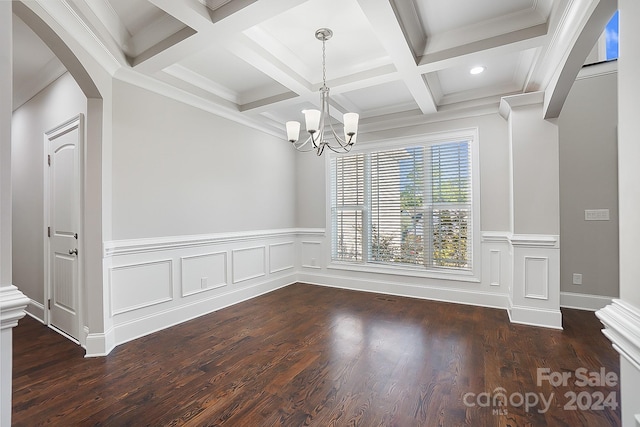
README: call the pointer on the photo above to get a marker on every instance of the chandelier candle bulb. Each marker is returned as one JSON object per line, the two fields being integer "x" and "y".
{"x": 351, "y": 123}
{"x": 312, "y": 120}
{"x": 293, "y": 131}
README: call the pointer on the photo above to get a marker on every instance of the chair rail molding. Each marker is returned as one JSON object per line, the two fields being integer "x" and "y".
{"x": 135, "y": 246}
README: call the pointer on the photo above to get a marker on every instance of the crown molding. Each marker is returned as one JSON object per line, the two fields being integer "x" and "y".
{"x": 509, "y": 103}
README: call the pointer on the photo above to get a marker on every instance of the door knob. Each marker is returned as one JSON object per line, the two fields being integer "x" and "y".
{"x": 73, "y": 252}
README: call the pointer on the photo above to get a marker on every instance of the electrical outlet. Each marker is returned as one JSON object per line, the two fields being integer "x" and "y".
{"x": 577, "y": 279}
{"x": 204, "y": 282}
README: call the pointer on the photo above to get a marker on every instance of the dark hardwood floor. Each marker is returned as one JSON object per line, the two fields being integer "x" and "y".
{"x": 308, "y": 355}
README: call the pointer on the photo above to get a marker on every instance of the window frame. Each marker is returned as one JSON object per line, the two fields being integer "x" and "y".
{"x": 369, "y": 266}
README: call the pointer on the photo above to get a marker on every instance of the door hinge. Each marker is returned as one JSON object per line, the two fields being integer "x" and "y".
{"x": 48, "y": 231}
{"x": 49, "y": 159}
{"x": 49, "y": 304}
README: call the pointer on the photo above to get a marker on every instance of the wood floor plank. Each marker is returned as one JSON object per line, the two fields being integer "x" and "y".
{"x": 309, "y": 355}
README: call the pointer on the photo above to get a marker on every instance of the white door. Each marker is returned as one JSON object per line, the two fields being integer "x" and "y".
{"x": 63, "y": 162}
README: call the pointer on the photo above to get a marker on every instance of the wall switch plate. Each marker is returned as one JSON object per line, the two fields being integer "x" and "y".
{"x": 577, "y": 279}
{"x": 596, "y": 215}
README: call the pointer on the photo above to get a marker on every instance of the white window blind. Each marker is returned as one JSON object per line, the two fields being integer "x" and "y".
{"x": 397, "y": 206}
{"x": 348, "y": 207}
{"x": 449, "y": 209}
{"x": 405, "y": 206}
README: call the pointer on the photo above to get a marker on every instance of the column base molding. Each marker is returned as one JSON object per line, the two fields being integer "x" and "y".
{"x": 622, "y": 326}
{"x": 12, "y": 306}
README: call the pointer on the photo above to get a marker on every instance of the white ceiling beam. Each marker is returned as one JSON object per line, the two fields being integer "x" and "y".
{"x": 516, "y": 41}
{"x": 191, "y": 12}
{"x": 197, "y": 16}
{"x": 587, "y": 29}
{"x": 104, "y": 12}
{"x": 383, "y": 19}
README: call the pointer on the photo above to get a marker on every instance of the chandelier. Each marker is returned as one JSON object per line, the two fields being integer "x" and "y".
{"x": 317, "y": 120}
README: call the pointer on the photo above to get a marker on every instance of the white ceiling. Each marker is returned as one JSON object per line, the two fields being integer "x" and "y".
{"x": 260, "y": 60}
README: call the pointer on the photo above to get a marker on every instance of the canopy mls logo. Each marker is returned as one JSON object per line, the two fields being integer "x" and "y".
{"x": 499, "y": 400}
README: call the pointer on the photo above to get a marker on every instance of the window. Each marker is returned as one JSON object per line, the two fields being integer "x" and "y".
{"x": 409, "y": 206}
{"x": 611, "y": 37}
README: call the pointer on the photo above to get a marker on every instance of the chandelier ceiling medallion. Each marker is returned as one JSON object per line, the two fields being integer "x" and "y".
{"x": 317, "y": 120}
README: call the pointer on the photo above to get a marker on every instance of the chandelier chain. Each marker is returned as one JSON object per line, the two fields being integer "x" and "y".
{"x": 324, "y": 64}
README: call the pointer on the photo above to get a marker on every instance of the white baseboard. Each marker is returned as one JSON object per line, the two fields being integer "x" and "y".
{"x": 99, "y": 344}
{"x": 452, "y": 295}
{"x": 34, "y": 317}
{"x": 584, "y": 301}
{"x": 35, "y": 310}
{"x": 142, "y": 326}
{"x": 531, "y": 316}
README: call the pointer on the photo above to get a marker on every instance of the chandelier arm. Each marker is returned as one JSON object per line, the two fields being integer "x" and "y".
{"x": 342, "y": 142}
{"x": 300, "y": 146}
{"x": 326, "y": 113}
{"x": 341, "y": 149}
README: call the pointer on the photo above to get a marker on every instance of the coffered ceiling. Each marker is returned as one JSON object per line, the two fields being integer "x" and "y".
{"x": 389, "y": 60}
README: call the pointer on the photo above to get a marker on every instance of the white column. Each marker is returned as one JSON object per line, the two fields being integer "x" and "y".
{"x": 12, "y": 306}
{"x": 12, "y": 301}
{"x": 622, "y": 318}
{"x": 535, "y": 212}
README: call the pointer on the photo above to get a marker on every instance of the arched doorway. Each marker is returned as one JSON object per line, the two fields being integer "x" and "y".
{"x": 91, "y": 330}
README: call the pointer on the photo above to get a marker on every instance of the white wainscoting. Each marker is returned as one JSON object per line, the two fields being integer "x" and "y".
{"x": 315, "y": 268}
{"x": 281, "y": 256}
{"x": 249, "y": 263}
{"x": 203, "y": 272}
{"x": 311, "y": 254}
{"x": 139, "y": 285}
{"x": 535, "y": 296}
{"x": 497, "y": 261}
{"x": 157, "y": 283}
{"x": 536, "y": 277}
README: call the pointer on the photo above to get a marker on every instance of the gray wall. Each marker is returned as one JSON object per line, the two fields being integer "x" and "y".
{"x": 589, "y": 180}
{"x": 56, "y": 104}
{"x": 178, "y": 170}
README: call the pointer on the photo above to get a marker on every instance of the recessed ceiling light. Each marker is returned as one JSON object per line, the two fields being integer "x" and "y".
{"x": 477, "y": 70}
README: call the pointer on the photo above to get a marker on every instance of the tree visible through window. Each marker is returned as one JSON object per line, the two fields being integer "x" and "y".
{"x": 415, "y": 208}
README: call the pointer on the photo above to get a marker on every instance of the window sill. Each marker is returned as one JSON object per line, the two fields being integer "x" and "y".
{"x": 459, "y": 276}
